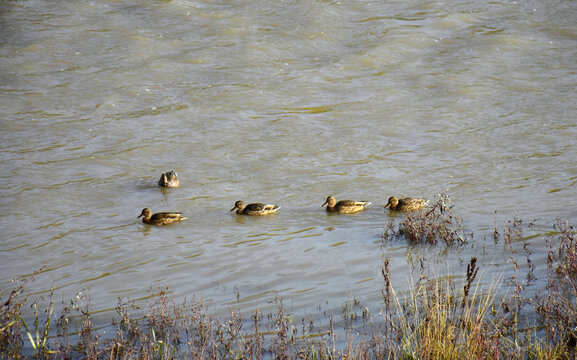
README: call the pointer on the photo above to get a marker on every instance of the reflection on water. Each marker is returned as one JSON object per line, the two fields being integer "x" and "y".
{"x": 278, "y": 102}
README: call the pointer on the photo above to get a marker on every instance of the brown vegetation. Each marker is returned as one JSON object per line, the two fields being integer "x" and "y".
{"x": 438, "y": 319}
{"x": 433, "y": 225}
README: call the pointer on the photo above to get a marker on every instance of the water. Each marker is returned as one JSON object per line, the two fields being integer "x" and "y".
{"x": 284, "y": 102}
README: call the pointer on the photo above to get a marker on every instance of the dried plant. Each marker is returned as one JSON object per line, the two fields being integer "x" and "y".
{"x": 433, "y": 225}
{"x": 557, "y": 303}
{"x": 438, "y": 318}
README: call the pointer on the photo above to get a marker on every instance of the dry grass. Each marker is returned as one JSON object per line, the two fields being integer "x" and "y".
{"x": 557, "y": 304}
{"x": 447, "y": 318}
{"x": 438, "y": 320}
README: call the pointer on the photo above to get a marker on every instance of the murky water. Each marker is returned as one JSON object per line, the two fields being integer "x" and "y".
{"x": 284, "y": 102}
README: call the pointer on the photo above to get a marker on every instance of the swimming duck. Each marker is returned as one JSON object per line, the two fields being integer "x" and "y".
{"x": 161, "y": 218}
{"x": 256, "y": 209}
{"x": 169, "y": 179}
{"x": 344, "y": 206}
{"x": 406, "y": 204}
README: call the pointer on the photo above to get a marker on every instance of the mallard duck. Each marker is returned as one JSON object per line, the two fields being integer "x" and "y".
{"x": 345, "y": 206}
{"x": 406, "y": 204}
{"x": 161, "y": 218}
{"x": 254, "y": 209}
{"x": 169, "y": 179}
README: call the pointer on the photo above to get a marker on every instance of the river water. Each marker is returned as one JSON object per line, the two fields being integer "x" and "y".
{"x": 284, "y": 102}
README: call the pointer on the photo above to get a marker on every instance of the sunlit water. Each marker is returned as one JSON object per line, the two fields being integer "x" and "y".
{"x": 284, "y": 102}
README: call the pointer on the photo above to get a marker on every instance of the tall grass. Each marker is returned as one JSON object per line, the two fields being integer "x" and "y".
{"x": 438, "y": 318}
{"x": 441, "y": 321}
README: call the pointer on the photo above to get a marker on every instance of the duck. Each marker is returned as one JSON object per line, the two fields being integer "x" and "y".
{"x": 406, "y": 204}
{"x": 169, "y": 179}
{"x": 161, "y": 218}
{"x": 256, "y": 209}
{"x": 344, "y": 206}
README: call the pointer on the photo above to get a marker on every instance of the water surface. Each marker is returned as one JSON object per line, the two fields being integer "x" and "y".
{"x": 284, "y": 102}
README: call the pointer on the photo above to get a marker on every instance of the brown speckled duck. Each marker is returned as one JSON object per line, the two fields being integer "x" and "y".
{"x": 256, "y": 209}
{"x": 169, "y": 179}
{"x": 161, "y": 218}
{"x": 406, "y": 204}
{"x": 344, "y": 206}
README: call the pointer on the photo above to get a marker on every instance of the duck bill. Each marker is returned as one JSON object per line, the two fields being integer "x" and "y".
{"x": 325, "y": 204}
{"x": 233, "y": 209}
{"x": 139, "y": 216}
{"x": 387, "y": 206}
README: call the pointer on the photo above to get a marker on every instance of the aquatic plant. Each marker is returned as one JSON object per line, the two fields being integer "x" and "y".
{"x": 433, "y": 225}
{"x": 10, "y": 325}
{"x": 37, "y": 337}
{"x": 11, "y": 320}
{"x": 557, "y": 303}
{"x": 440, "y": 317}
